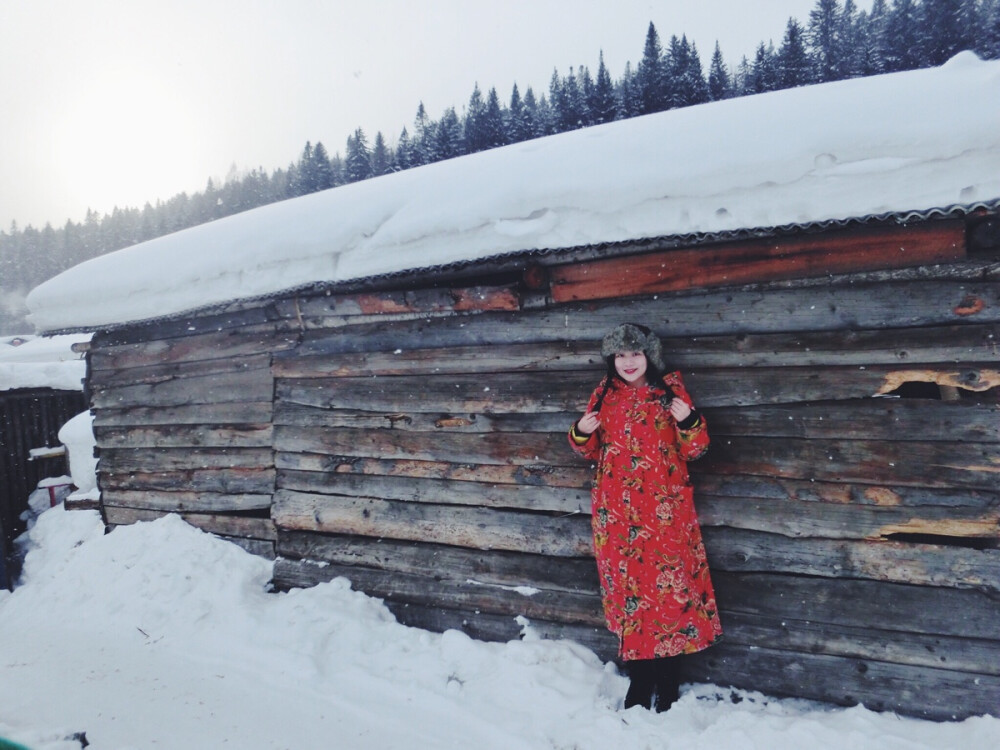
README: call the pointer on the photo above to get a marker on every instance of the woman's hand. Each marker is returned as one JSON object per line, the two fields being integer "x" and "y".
{"x": 679, "y": 410}
{"x": 588, "y": 423}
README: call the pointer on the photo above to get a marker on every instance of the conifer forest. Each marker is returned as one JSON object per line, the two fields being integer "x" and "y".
{"x": 837, "y": 41}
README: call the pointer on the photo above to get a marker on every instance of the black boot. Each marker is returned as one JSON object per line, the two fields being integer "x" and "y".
{"x": 653, "y": 683}
{"x": 642, "y": 682}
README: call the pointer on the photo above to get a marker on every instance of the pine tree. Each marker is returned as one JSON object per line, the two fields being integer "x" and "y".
{"x": 322, "y": 172}
{"x": 585, "y": 87}
{"x": 946, "y": 27}
{"x": 718, "y": 76}
{"x": 901, "y": 37}
{"x": 449, "y": 136}
{"x": 533, "y": 124}
{"x": 793, "y": 63}
{"x": 475, "y": 135}
{"x": 650, "y": 75}
{"x": 988, "y": 44}
{"x": 424, "y": 139}
{"x": 629, "y": 95}
{"x": 517, "y": 127}
{"x": 493, "y": 122}
{"x": 851, "y": 34}
{"x": 743, "y": 78}
{"x": 764, "y": 70}
{"x": 603, "y": 103}
{"x": 381, "y": 156}
{"x": 358, "y": 159}
{"x": 687, "y": 84}
{"x": 825, "y": 39}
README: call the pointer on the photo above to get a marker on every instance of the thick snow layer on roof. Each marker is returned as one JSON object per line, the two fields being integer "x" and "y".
{"x": 33, "y": 362}
{"x": 895, "y": 143}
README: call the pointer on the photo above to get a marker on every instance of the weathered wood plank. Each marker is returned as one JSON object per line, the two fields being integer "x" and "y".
{"x": 741, "y": 550}
{"x": 234, "y": 413}
{"x": 921, "y": 464}
{"x": 860, "y": 249}
{"x": 477, "y": 528}
{"x": 504, "y": 393}
{"x": 211, "y": 345}
{"x": 843, "y": 521}
{"x": 444, "y": 492}
{"x": 223, "y": 481}
{"x": 185, "y": 501}
{"x": 881, "y": 419}
{"x": 393, "y": 302}
{"x": 288, "y": 413}
{"x": 509, "y": 448}
{"x": 781, "y": 490}
{"x": 928, "y": 345}
{"x": 245, "y": 527}
{"x": 872, "y": 419}
{"x": 119, "y": 460}
{"x": 246, "y": 316}
{"x": 471, "y": 595}
{"x": 859, "y": 603}
{"x": 109, "y": 380}
{"x": 495, "y": 567}
{"x": 826, "y": 307}
{"x": 179, "y": 436}
{"x": 227, "y": 387}
{"x": 312, "y": 359}
{"x": 576, "y": 477}
{"x": 938, "y": 694}
{"x": 973, "y": 655}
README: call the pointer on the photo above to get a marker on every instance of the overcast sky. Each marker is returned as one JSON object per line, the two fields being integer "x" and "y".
{"x": 119, "y": 102}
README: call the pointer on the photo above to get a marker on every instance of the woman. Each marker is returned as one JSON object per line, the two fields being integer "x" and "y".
{"x": 641, "y": 428}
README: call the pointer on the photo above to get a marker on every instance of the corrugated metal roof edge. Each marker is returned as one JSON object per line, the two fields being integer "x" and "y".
{"x": 509, "y": 259}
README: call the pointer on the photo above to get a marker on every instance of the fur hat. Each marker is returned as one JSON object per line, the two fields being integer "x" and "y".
{"x": 631, "y": 337}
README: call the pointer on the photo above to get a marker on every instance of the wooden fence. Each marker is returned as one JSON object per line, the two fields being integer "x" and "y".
{"x": 29, "y": 418}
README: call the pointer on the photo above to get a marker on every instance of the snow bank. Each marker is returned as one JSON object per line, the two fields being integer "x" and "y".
{"x": 902, "y": 142}
{"x": 33, "y": 362}
{"x": 78, "y": 437}
{"x": 159, "y": 635}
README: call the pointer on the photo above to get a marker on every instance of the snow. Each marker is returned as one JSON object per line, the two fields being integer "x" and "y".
{"x": 903, "y": 142}
{"x": 33, "y": 362}
{"x": 78, "y": 437}
{"x": 159, "y": 635}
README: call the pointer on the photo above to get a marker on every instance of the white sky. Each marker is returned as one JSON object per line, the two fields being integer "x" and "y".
{"x": 115, "y": 103}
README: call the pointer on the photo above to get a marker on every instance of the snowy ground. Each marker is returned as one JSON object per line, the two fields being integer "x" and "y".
{"x": 161, "y": 636}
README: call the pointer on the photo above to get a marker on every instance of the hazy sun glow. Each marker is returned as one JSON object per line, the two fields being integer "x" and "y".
{"x": 125, "y": 139}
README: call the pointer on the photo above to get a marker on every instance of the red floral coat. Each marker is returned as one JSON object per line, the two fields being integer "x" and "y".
{"x": 655, "y": 585}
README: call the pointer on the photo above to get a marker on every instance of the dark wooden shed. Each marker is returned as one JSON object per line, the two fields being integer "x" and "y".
{"x": 407, "y": 430}
{"x": 412, "y": 438}
{"x": 29, "y": 418}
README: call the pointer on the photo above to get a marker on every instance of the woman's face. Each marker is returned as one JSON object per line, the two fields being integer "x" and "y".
{"x": 631, "y": 367}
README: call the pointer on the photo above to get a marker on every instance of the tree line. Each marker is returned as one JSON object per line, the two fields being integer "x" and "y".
{"x": 837, "y": 41}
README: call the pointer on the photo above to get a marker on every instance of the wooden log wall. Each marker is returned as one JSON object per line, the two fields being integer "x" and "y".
{"x": 852, "y": 532}
{"x": 414, "y": 442}
{"x": 182, "y": 419}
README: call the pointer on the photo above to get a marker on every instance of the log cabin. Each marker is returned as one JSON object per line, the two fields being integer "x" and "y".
{"x": 376, "y": 381}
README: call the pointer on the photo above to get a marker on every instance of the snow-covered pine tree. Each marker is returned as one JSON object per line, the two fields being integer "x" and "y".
{"x": 603, "y": 102}
{"x": 825, "y": 40}
{"x": 650, "y": 75}
{"x": 719, "y": 85}
{"x": 358, "y": 159}
{"x": 793, "y": 63}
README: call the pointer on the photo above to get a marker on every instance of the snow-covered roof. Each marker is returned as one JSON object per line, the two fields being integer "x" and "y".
{"x": 885, "y": 145}
{"x": 33, "y": 362}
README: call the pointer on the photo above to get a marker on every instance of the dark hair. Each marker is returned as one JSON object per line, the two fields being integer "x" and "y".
{"x": 653, "y": 376}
